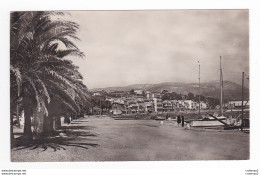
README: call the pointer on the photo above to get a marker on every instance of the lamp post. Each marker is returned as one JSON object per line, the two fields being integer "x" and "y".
{"x": 221, "y": 88}
{"x": 242, "y": 122}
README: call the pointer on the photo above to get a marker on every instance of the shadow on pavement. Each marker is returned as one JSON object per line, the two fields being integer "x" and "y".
{"x": 67, "y": 136}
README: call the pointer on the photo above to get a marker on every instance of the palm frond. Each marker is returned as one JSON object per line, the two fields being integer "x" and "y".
{"x": 36, "y": 57}
{"x": 17, "y": 75}
{"x": 58, "y": 98}
{"x": 73, "y": 52}
{"x": 45, "y": 91}
{"x": 59, "y": 77}
{"x": 56, "y": 87}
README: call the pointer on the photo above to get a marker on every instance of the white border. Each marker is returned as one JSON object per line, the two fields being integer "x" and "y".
{"x": 171, "y": 167}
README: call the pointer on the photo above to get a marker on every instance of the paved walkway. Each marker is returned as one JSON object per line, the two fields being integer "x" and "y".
{"x": 106, "y": 139}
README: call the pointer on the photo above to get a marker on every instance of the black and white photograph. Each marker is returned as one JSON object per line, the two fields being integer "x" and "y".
{"x": 129, "y": 85}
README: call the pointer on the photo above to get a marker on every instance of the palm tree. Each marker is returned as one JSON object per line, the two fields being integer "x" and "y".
{"x": 15, "y": 84}
{"x": 37, "y": 58}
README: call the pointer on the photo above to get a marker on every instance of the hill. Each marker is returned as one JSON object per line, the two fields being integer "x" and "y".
{"x": 232, "y": 91}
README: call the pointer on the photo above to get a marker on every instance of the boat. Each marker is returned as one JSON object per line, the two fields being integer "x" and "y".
{"x": 212, "y": 120}
{"x": 209, "y": 122}
{"x": 160, "y": 118}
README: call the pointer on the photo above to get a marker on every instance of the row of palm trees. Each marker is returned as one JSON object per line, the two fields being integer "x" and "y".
{"x": 43, "y": 82}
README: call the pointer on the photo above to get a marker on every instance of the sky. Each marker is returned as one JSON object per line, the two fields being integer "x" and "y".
{"x": 143, "y": 47}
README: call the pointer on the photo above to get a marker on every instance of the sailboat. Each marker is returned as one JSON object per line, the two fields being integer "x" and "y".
{"x": 213, "y": 120}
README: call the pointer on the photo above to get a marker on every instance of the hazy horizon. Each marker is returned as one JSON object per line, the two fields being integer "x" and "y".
{"x": 150, "y": 47}
{"x": 211, "y": 81}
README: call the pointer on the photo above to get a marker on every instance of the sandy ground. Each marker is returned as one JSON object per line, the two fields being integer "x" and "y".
{"x": 106, "y": 139}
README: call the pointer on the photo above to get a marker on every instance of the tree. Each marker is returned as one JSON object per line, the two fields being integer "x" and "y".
{"x": 177, "y": 96}
{"x": 15, "y": 85}
{"x": 101, "y": 102}
{"x": 191, "y": 96}
{"x": 164, "y": 91}
{"x": 132, "y": 92}
{"x": 168, "y": 96}
{"x": 213, "y": 102}
{"x": 37, "y": 58}
{"x": 143, "y": 93}
{"x": 171, "y": 96}
{"x": 199, "y": 97}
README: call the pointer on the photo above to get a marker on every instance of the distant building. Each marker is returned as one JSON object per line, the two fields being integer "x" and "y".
{"x": 132, "y": 106}
{"x": 138, "y": 92}
{"x": 190, "y": 105}
{"x": 96, "y": 110}
{"x": 152, "y": 102}
{"x": 96, "y": 94}
{"x": 237, "y": 105}
{"x": 110, "y": 99}
{"x": 203, "y": 105}
{"x": 149, "y": 95}
{"x": 147, "y": 92}
{"x": 158, "y": 106}
{"x": 117, "y": 93}
{"x": 118, "y": 106}
{"x": 157, "y": 95}
{"x": 167, "y": 106}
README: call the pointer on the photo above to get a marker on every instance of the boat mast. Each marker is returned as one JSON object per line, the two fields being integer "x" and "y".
{"x": 221, "y": 89}
{"x": 199, "y": 88}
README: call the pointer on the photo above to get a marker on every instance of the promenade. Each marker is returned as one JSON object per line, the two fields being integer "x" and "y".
{"x": 106, "y": 139}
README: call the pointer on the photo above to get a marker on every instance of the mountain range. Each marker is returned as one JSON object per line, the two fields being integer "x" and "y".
{"x": 232, "y": 91}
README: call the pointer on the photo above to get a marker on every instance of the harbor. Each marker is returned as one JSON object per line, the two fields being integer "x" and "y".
{"x": 149, "y": 86}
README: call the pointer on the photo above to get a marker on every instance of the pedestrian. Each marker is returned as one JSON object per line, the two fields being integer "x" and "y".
{"x": 178, "y": 120}
{"x": 182, "y": 121}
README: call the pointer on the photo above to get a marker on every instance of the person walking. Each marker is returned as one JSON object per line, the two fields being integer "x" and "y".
{"x": 182, "y": 121}
{"x": 178, "y": 120}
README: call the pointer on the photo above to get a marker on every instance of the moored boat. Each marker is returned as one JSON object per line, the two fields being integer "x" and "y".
{"x": 208, "y": 122}
{"x": 212, "y": 120}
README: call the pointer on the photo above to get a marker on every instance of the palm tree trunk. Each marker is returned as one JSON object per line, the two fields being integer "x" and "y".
{"x": 17, "y": 115}
{"x": 48, "y": 125}
{"x": 57, "y": 123}
{"x": 17, "y": 105}
{"x": 38, "y": 122}
{"x": 13, "y": 142}
{"x": 27, "y": 122}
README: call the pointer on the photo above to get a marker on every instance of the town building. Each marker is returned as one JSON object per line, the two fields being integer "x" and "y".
{"x": 150, "y": 103}
{"x": 237, "y": 105}
{"x": 138, "y": 92}
{"x": 158, "y": 106}
{"x": 190, "y": 105}
{"x": 96, "y": 94}
{"x": 167, "y": 106}
{"x": 118, "y": 107}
